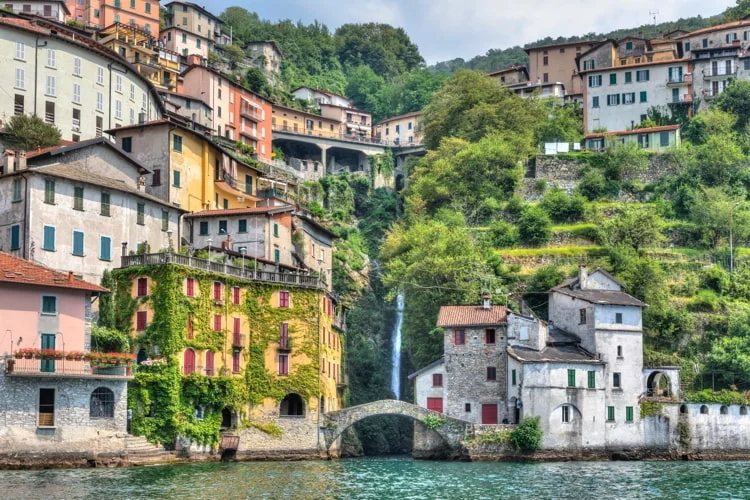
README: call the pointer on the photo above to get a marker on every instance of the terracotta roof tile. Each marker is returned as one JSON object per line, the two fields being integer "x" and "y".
{"x": 240, "y": 211}
{"x": 15, "y": 270}
{"x": 471, "y": 316}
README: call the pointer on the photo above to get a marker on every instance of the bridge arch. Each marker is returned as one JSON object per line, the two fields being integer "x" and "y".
{"x": 451, "y": 430}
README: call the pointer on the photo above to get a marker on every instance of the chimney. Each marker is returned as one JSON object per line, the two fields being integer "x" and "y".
{"x": 124, "y": 248}
{"x": 486, "y": 301}
{"x": 583, "y": 276}
{"x": 70, "y": 276}
{"x": 141, "y": 118}
{"x": 21, "y": 161}
{"x": 9, "y": 162}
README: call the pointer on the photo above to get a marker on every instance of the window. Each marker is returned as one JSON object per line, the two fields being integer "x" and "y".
{"x": 610, "y": 413}
{"x": 595, "y": 81}
{"x": 613, "y": 100}
{"x": 118, "y": 84}
{"x": 686, "y": 46}
{"x": 20, "y": 73}
{"x": 102, "y": 404}
{"x": 491, "y": 373}
{"x": 164, "y": 220}
{"x": 184, "y": 35}
{"x": 595, "y": 102}
{"x": 628, "y": 98}
{"x": 100, "y": 75}
{"x": 235, "y": 295}
{"x": 141, "y": 318}
{"x": 177, "y": 143}
{"x": 118, "y": 109}
{"x": 459, "y": 337}
{"x": 105, "y": 248}
{"x": 571, "y": 378}
{"x": 618, "y": 318}
{"x": 217, "y": 290}
{"x": 276, "y": 230}
{"x": 142, "y": 287}
{"x": 105, "y": 205}
{"x": 644, "y": 96}
{"x": 203, "y": 228}
{"x": 467, "y": 407}
{"x": 587, "y": 65}
{"x": 731, "y": 37}
{"x": 235, "y": 361}
{"x": 141, "y": 216}
{"x": 78, "y": 198}
{"x": 613, "y": 78}
{"x": 643, "y": 140}
{"x": 49, "y": 304}
{"x": 217, "y": 322}
{"x": 99, "y": 101}
{"x": 18, "y": 107}
{"x": 49, "y": 112}
{"x": 17, "y": 195}
{"x": 628, "y": 45}
{"x": 642, "y": 75}
{"x": 51, "y": 86}
{"x": 545, "y": 60}
{"x": 513, "y": 377}
{"x": 46, "y": 407}
{"x": 49, "y": 239}
{"x": 20, "y": 51}
{"x": 15, "y": 237}
{"x": 629, "y": 414}
{"x": 148, "y": 8}
{"x": 592, "y": 379}
{"x": 283, "y": 364}
{"x": 248, "y": 184}
{"x": 222, "y": 227}
{"x": 489, "y": 336}
{"x": 582, "y": 316}
{"x": 51, "y": 58}
{"x": 437, "y": 380}
{"x": 176, "y": 178}
{"x": 545, "y": 77}
{"x": 565, "y": 413}
{"x": 524, "y": 333}
{"x": 190, "y": 287}
{"x": 127, "y": 144}
{"x": 664, "y": 138}
{"x": 78, "y": 243}
{"x": 242, "y": 226}
{"x": 616, "y": 383}
{"x": 628, "y": 77}
{"x": 283, "y": 299}
{"x": 284, "y": 336}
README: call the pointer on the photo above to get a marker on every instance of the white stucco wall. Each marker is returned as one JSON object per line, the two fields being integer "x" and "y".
{"x": 423, "y": 388}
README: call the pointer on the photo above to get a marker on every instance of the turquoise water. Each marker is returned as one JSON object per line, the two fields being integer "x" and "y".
{"x": 399, "y": 478}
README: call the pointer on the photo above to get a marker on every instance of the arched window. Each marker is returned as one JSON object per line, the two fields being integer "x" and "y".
{"x": 292, "y": 406}
{"x": 102, "y": 403}
{"x": 683, "y": 409}
{"x": 704, "y": 410}
{"x": 188, "y": 364}
{"x": 724, "y": 410}
{"x": 743, "y": 410}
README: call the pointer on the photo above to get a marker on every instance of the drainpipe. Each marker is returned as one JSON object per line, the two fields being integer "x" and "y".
{"x": 27, "y": 214}
{"x": 36, "y": 71}
{"x": 109, "y": 117}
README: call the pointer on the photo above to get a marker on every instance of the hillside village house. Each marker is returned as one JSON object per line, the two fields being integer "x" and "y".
{"x": 401, "y": 130}
{"x": 624, "y": 79}
{"x": 54, "y": 10}
{"x": 557, "y": 63}
{"x": 80, "y": 208}
{"x": 354, "y": 122}
{"x": 140, "y": 14}
{"x": 293, "y": 120}
{"x": 192, "y": 108}
{"x": 651, "y": 138}
{"x": 266, "y": 56}
{"x": 53, "y": 399}
{"x": 78, "y": 85}
{"x": 191, "y": 29}
{"x": 581, "y": 373}
{"x": 319, "y": 97}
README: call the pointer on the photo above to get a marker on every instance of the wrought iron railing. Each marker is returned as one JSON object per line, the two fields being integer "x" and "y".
{"x": 62, "y": 368}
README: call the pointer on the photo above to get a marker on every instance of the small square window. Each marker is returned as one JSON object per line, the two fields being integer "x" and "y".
{"x": 437, "y": 380}
{"x": 616, "y": 382}
{"x": 49, "y": 304}
{"x": 467, "y": 407}
{"x": 491, "y": 373}
{"x": 618, "y": 318}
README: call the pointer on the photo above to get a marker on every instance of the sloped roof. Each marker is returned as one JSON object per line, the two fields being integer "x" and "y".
{"x": 435, "y": 363}
{"x": 69, "y": 147}
{"x": 399, "y": 117}
{"x": 553, "y": 354}
{"x": 240, "y": 211}
{"x": 24, "y": 272}
{"x": 605, "y": 297}
{"x": 471, "y": 316}
{"x": 636, "y": 131}
{"x": 719, "y": 27}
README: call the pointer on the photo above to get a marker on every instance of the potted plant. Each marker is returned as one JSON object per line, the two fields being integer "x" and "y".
{"x": 10, "y": 365}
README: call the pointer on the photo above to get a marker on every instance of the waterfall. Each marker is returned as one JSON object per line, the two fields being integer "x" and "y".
{"x": 396, "y": 347}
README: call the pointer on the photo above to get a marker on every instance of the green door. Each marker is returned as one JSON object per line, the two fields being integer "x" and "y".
{"x": 48, "y": 342}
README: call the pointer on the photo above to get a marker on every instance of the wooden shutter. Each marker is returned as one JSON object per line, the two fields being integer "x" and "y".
{"x": 489, "y": 414}
{"x": 435, "y": 404}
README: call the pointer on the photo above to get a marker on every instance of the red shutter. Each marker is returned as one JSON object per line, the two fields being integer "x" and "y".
{"x": 437, "y": 380}
{"x": 283, "y": 299}
{"x": 236, "y": 295}
{"x": 217, "y": 290}
{"x": 236, "y": 361}
{"x": 283, "y": 364}
{"x": 142, "y": 287}
{"x": 236, "y": 326}
{"x": 209, "y": 363}
{"x": 188, "y": 362}
{"x": 435, "y": 404}
{"x": 190, "y": 327}
{"x": 190, "y": 287}
{"x": 489, "y": 414}
{"x": 217, "y": 322}
{"x": 141, "y": 317}
{"x": 459, "y": 337}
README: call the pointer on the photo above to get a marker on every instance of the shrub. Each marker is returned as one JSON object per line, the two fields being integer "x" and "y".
{"x": 593, "y": 185}
{"x": 528, "y": 435}
{"x": 540, "y": 185}
{"x": 503, "y": 234}
{"x": 716, "y": 279}
{"x": 534, "y": 226}
{"x": 705, "y": 301}
{"x": 433, "y": 422}
{"x": 724, "y": 397}
{"x": 562, "y": 207}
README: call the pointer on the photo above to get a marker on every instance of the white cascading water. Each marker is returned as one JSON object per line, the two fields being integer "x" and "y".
{"x": 396, "y": 347}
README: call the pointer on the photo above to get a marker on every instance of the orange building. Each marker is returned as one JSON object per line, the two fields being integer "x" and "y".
{"x": 239, "y": 114}
{"x": 141, "y": 14}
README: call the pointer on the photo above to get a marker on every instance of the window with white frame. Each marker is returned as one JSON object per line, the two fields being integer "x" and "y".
{"x": 76, "y": 93}
{"x": 100, "y": 75}
{"x": 51, "y": 86}
{"x": 20, "y": 74}
{"x": 99, "y": 101}
{"x": 595, "y": 81}
{"x": 118, "y": 109}
{"x": 20, "y": 51}
{"x": 77, "y": 66}
{"x": 118, "y": 84}
{"x": 51, "y": 58}
{"x": 132, "y": 92}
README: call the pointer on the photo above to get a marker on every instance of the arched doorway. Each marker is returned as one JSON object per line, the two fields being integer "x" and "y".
{"x": 226, "y": 418}
{"x": 292, "y": 406}
{"x": 141, "y": 356}
{"x": 658, "y": 385}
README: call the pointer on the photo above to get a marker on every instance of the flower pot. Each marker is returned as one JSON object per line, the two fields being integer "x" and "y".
{"x": 10, "y": 365}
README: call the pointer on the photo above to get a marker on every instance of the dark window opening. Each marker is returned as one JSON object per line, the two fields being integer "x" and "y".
{"x": 292, "y": 406}
{"x": 102, "y": 403}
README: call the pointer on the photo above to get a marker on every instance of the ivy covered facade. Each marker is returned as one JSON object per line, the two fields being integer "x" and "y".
{"x": 216, "y": 351}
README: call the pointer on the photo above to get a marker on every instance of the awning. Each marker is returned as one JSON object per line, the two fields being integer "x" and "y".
{"x": 251, "y": 103}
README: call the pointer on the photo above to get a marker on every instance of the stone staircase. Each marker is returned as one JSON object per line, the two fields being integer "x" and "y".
{"x": 139, "y": 450}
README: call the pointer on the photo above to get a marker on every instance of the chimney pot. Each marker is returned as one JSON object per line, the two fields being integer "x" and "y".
{"x": 486, "y": 301}
{"x": 70, "y": 275}
{"x": 583, "y": 276}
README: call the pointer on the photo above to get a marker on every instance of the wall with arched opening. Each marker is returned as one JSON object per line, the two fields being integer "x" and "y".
{"x": 710, "y": 426}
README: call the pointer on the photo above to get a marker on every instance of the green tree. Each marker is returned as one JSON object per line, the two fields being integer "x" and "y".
{"x": 363, "y": 86}
{"x": 534, "y": 226}
{"x": 543, "y": 279}
{"x": 470, "y": 106}
{"x": 30, "y": 132}
{"x": 106, "y": 307}
{"x": 257, "y": 82}
{"x": 720, "y": 211}
{"x": 528, "y": 435}
{"x": 385, "y": 49}
{"x": 234, "y": 55}
{"x": 635, "y": 228}
{"x": 563, "y": 123}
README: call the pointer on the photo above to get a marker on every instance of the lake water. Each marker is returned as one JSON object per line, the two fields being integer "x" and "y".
{"x": 382, "y": 478}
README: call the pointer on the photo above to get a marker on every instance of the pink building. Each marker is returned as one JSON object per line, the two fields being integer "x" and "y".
{"x": 56, "y": 383}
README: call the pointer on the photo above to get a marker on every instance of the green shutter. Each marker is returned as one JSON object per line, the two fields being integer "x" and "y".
{"x": 644, "y": 96}
{"x": 249, "y": 184}
{"x": 203, "y": 228}
{"x": 141, "y": 214}
{"x": 105, "y": 248}
{"x": 177, "y": 143}
{"x": 592, "y": 379}
{"x": 176, "y": 175}
{"x": 242, "y": 226}
{"x": 105, "y": 204}
{"x": 276, "y": 230}
{"x": 628, "y": 77}
{"x": 277, "y": 255}
{"x": 48, "y": 342}
{"x": 613, "y": 78}
{"x": 628, "y": 413}
{"x": 611, "y": 413}
{"x": 15, "y": 237}
{"x": 164, "y": 220}
{"x": 571, "y": 378}
{"x": 49, "y": 238}
{"x": 78, "y": 243}
{"x": 78, "y": 198}
{"x": 49, "y": 191}
{"x": 49, "y": 304}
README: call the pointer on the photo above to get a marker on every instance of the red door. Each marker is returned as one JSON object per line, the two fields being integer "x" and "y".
{"x": 489, "y": 414}
{"x": 435, "y": 404}
{"x": 189, "y": 362}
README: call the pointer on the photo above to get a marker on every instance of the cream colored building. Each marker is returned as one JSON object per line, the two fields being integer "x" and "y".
{"x": 354, "y": 122}
{"x": 401, "y": 130}
{"x": 56, "y": 10}
{"x": 191, "y": 29}
{"x": 72, "y": 82}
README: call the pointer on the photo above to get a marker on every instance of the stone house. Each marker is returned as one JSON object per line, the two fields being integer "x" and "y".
{"x": 80, "y": 208}
{"x": 46, "y": 402}
{"x": 313, "y": 245}
{"x": 266, "y": 56}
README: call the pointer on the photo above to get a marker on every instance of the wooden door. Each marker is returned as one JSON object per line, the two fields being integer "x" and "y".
{"x": 489, "y": 414}
{"x": 435, "y": 404}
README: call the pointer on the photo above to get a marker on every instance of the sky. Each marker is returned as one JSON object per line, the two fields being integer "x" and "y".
{"x": 447, "y": 29}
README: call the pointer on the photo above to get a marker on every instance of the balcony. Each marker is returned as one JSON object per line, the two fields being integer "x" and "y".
{"x": 161, "y": 259}
{"x": 251, "y": 113}
{"x": 285, "y": 344}
{"x": 681, "y": 99}
{"x": 720, "y": 72}
{"x": 64, "y": 368}
{"x": 238, "y": 340}
{"x": 250, "y": 133}
{"x": 686, "y": 79}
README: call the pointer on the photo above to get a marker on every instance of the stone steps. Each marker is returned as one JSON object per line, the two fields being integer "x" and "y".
{"x": 139, "y": 448}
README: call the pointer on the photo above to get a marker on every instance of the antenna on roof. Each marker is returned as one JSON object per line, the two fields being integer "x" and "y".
{"x": 653, "y": 14}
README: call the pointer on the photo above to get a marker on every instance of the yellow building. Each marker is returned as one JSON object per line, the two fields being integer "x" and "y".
{"x": 301, "y": 122}
{"x": 160, "y": 66}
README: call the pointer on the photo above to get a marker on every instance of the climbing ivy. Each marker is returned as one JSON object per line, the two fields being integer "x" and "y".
{"x": 651, "y": 408}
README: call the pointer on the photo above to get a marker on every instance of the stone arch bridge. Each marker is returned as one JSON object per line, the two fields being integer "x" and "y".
{"x": 333, "y": 424}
